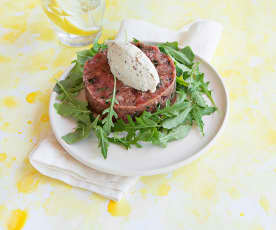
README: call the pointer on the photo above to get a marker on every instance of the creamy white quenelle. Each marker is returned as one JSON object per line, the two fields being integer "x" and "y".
{"x": 131, "y": 66}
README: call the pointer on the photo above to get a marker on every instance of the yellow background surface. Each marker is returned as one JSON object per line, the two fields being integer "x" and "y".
{"x": 232, "y": 186}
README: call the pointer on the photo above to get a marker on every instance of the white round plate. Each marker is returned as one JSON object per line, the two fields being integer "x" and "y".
{"x": 150, "y": 159}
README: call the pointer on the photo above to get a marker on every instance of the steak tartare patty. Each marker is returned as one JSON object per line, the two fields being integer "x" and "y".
{"x": 99, "y": 83}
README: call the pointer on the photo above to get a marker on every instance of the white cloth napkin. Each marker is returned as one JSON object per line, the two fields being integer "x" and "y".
{"x": 50, "y": 159}
{"x": 202, "y": 35}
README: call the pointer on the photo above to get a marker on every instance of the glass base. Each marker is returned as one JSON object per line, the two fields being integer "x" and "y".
{"x": 76, "y": 40}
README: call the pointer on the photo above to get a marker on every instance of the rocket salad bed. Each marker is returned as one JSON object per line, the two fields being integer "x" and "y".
{"x": 170, "y": 123}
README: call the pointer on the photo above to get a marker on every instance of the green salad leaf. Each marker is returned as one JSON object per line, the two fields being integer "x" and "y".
{"x": 135, "y": 40}
{"x": 102, "y": 136}
{"x": 120, "y": 141}
{"x": 72, "y": 107}
{"x": 175, "y": 121}
{"x": 82, "y": 131}
{"x": 84, "y": 55}
{"x": 187, "y": 51}
{"x": 73, "y": 83}
{"x": 178, "y": 55}
{"x": 179, "y": 132}
{"x": 110, "y": 112}
{"x": 170, "y": 123}
{"x": 197, "y": 116}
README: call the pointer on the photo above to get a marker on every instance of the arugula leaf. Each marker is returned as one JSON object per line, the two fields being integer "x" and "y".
{"x": 81, "y": 132}
{"x": 204, "y": 89}
{"x": 120, "y": 141}
{"x": 174, "y": 109}
{"x": 173, "y": 45}
{"x": 83, "y": 56}
{"x": 72, "y": 107}
{"x": 181, "y": 81}
{"x": 97, "y": 47}
{"x": 138, "y": 130}
{"x": 189, "y": 119}
{"x": 145, "y": 121}
{"x": 149, "y": 135}
{"x": 176, "y": 134}
{"x": 199, "y": 80}
{"x": 170, "y": 123}
{"x": 146, "y": 135}
{"x": 141, "y": 122}
{"x": 208, "y": 110}
{"x": 107, "y": 121}
{"x": 177, "y": 55}
{"x": 103, "y": 141}
{"x": 187, "y": 51}
{"x": 181, "y": 68}
{"x": 79, "y": 112}
{"x": 147, "y": 127}
{"x": 102, "y": 137}
{"x": 181, "y": 97}
{"x": 73, "y": 83}
{"x": 197, "y": 116}
{"x": 135, "y": 40}
{"x": 197, "y": 97}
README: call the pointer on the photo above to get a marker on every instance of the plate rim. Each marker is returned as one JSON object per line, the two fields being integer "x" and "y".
{"x": 146, "y": 172}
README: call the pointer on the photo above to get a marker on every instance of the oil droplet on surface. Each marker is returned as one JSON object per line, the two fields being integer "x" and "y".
{"x": 29, "y": 122}
{"x": 4, "y": 59}
{"x": 10, "y": 162}
{"x": 44, "y": 98}
{"x": 196, "y": 213}
{"x": 28, "y": 183}
{"x": 241, "y": 214}
{"x": 121, "y": 208}
{"x": 201, "y": 215}
{"x": 208, "y": 191}
{"x": 234, "y": 193}
{"x": 264, "y": 203}
{"x": 31, "y": 97}
{"x": 11, "y": 37}
{"x": 163, "y": 190}
{"x": 5, "y": 126}
{"x": 257, "y": 227}
{"x": 44, "y": 118}
{"x": 144, "y": 193}
{"x": 271, "y": 137}
{"x": 17, "y": 220}
{"x": 156, "y": 185}
{"x": 10, "y": 102}
{"x": 3, "y": 157}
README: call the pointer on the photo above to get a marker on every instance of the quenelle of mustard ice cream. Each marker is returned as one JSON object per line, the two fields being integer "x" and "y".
{"x": 131, "y": 66}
